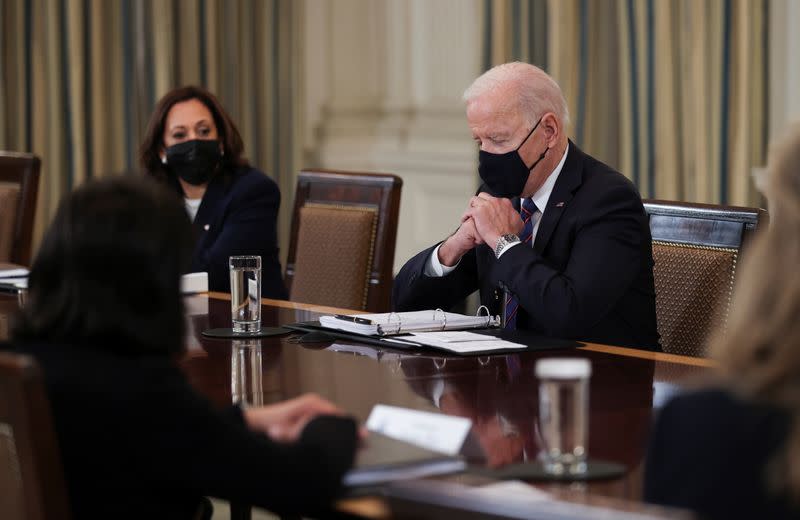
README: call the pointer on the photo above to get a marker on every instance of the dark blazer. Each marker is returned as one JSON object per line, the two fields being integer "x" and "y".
{"x": 238, "y": 216}
{"x": 137, "y": 442}
{"x": 588, "y": 276}
{"x": 710, "y": 452}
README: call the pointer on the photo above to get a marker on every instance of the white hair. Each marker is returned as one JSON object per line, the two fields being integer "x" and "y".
{"x": 537, "y": 91}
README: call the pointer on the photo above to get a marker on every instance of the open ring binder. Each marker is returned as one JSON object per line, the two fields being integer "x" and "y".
{"x": 392, "y": 323}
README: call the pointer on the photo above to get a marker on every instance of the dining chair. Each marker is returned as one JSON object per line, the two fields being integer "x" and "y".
{"x": 19, "y": 184}
{"x": 32, "y": 483}
{"x": 697, "y": 249}
{"x": 343, "y": 234}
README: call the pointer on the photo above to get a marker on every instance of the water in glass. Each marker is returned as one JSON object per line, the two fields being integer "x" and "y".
{"x": 245, "y": 295}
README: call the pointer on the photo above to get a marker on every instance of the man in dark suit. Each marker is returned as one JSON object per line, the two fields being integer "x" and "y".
{"x": 556, "y": 241}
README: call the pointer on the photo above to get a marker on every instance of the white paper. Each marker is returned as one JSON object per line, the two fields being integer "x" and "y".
{"x": 452, "y": 336}
{"x": 514, "y": 489}
{"x": 18, "y": 283}
{"x": 436, "y": 432}
{"x": 14, "y": 273}
{"x": 194, "y": 283}
{"x": 464, "y": 342}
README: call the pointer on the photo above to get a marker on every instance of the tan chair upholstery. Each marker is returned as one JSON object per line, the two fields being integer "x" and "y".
{"x": 342, "y": 245}
{"x": 696, "y": 248}
{"x": 31, "y": 477}
{"x": 19, "y": 184}
{"x": 9, "y": 199}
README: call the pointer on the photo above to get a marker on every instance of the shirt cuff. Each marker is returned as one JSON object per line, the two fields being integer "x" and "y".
{"x": 434, "y": 268}
{"x": 509, "y": 246}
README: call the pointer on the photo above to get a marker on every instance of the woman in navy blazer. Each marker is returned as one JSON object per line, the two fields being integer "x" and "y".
{"x": 193, "y": 145}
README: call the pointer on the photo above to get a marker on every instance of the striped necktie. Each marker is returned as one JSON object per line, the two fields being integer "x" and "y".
{"x": 526, "y": 212}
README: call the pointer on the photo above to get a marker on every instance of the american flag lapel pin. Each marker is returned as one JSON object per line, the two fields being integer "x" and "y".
{"x": 207, "y": 227}
{"x": 559, "y": 204}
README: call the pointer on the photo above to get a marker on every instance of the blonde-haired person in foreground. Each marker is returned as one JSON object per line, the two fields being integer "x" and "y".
{"x": 734, "y": 451}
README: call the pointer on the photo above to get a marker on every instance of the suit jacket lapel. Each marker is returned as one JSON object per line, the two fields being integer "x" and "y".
{"x": 214, "y": 193}
{"x": 568, "y": 181}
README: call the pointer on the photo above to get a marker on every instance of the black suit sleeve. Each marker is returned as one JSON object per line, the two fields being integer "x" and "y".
{"x": 414, "y": 290}
{"x": 200, "y": 450}
{"x": 606, "y": 256}
{"x": 250, "y": 229}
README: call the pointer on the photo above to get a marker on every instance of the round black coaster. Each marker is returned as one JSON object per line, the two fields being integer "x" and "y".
{"x": 227, "y": 333}
{"x": 595, "y": 470}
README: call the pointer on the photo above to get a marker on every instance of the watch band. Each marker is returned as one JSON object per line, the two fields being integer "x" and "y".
{"x": 503, "y": 242}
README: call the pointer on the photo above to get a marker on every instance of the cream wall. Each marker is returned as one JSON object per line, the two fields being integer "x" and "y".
{"x": 382, "y": 82}
{"x": 784, "y": 65}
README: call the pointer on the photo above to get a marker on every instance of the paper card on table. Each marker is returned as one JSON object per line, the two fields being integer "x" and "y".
{"x": 464, "y": 342}
{"x": 20, "y": 272}
{"x": 437, "y": 432}
{"x": 385, "y": 459}
{"x": 511, "y": 489}
{"x": 194, "y": 283}
{"x": 14, "y": 283}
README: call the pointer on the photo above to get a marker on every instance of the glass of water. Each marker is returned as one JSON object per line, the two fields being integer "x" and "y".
{"x": 246, "y": 381}
{"x": 564, "y": 414}
{"x": 246, "y": 293}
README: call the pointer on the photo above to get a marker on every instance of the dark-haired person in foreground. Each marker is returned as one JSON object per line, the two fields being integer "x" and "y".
{"x": 732, "y": 450}
{"x": 104, "y": 320}
{"x": 192, "y": 145}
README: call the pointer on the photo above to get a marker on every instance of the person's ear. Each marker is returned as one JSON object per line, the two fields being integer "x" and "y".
{"x": 552, "y": 128}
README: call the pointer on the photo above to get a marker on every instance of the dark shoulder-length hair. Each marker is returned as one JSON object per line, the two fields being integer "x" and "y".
{"x": 107, "y": 273}
{"x": 153, "y": 141}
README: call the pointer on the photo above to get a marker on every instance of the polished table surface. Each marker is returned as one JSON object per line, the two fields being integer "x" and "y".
{"x": 498, "y": 393}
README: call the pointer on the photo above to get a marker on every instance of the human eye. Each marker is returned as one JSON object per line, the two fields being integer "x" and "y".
{"x": 204, "y": 131}
{"x": 178, "y": 135}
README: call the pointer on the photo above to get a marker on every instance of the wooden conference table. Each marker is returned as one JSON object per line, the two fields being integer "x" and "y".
{"x": 499, "y": 393}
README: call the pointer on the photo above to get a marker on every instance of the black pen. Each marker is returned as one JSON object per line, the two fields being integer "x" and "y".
{"x": 354, "y": 319}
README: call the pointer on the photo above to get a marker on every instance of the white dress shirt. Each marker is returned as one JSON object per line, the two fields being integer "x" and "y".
{"x": 435, "y": 268}
{"x": 192, "y": 205}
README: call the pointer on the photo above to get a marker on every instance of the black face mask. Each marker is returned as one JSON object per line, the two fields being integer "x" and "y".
{"x": 194, "y": 161}
{"x": 505, "y": 174}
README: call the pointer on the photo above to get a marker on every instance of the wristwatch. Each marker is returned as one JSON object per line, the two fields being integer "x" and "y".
{"x": 503, "y": 242}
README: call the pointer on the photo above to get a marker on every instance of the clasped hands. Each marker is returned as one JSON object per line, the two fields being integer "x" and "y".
{"x": 486, "y": 219}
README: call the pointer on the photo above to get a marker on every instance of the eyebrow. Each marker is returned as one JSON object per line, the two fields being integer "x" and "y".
{"x": 178, "y": 127}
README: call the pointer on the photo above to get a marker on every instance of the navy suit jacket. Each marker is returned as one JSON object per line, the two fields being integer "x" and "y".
{"x": 711, "y": 452}
{"x": 238, "y": 216}
{"x": 588, "y": 276}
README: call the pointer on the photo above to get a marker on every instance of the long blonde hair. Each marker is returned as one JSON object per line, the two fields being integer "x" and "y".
{"x": 759, "y": 354}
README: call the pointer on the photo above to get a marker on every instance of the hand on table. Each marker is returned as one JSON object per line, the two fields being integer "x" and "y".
{"x": 285, "y": 421}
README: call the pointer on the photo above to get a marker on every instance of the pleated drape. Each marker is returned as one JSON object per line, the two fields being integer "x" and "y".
{"x": 673, "y": 93}
{"x": 80, "y": 78}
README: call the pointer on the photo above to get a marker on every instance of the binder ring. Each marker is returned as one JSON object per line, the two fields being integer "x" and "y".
{"x": 389, "y": 324}
{"x": 439, "y": 366}
{"x": 493, "y": 321}
{"x": 444, "y": 318}
{"x": 483, "y": 361}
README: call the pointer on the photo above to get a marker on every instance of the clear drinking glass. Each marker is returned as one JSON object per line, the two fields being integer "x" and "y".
{"x": 564, "y": 414}
{"x": 246, "y": 293}
{"x": 246, "y": 382}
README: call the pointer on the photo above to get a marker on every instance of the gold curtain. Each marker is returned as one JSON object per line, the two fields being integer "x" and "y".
{"x": 672, "y": 93}
{"x": 80, "y": 78}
